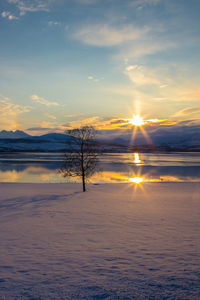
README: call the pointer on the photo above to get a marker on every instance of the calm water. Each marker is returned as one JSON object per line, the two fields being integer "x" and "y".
{"x": 120, "y": 167}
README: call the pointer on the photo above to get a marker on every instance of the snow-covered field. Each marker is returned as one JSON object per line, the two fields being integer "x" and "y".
{"x": 112, "y": 242}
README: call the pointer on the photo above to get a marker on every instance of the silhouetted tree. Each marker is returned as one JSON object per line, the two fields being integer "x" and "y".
{"x": 81, "y": 155}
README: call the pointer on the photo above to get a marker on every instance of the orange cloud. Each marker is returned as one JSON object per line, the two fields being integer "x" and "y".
{"x": 10, "y": 112}
{"x": 114, "y": 123}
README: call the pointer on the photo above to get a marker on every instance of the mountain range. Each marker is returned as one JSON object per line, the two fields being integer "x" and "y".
{"x": 183, "y": 138}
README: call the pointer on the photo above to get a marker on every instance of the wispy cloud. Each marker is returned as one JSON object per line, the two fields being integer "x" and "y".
{"x": 130, "y": 41}
{"x": 140, "y": 4}
{"x": 53, "y": 23}
{"x": 36, "y": 129}
{"x": 25, "y": 6}
{"x": 43, "y": 101}
{"x": 81, "y": 122}
{"x": 51, "y": 116}
{"x": 45, "y": 124}
{"x": 143, "y": 47}
{"x": 44, "y": 127}
{"x": 9, "y": 108}
{"x": 92, "y": 78}
{"x": 73, "y": 115}
{"x": 187, "y": 111}
{"x": 40, "y": 130}
{"x": 8, "y": 15}
{"x": 106, "y": 35}
{"x": 141, "y": 75}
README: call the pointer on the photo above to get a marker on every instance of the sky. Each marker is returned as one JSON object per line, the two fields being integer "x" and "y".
{"x": 67, "y": 63}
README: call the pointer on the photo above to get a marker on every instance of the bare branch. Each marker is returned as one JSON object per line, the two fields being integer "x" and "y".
{"x": 82, "y": 154}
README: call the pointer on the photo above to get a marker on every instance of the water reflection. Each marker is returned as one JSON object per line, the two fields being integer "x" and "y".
{"x": 137, "y": 159}
{"x": 124, "y": 167}
{"x": 136, "y": 180}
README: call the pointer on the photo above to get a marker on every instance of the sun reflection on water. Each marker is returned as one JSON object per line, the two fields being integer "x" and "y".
{"x": 137, "y": 169}
{"x": 137, "y": 159}
{"x": 136, "y": 180}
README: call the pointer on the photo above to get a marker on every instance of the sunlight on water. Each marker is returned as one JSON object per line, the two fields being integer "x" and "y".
{"x": 136, "y": 180}
{"x": 137, "y": 159}
{"x": 117, "y": 167}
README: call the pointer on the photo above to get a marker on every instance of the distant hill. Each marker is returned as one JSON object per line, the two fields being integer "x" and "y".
{"x": 54, "y": 137}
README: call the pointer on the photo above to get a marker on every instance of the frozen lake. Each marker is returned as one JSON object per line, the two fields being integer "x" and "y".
{"x": 117, "y": 167}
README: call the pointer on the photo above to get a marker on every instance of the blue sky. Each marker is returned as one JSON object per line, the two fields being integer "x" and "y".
{"x": 70, "y": 62}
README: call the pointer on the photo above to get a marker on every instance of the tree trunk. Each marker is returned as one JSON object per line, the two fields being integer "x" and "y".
{"x": 83, "y": 173}
{"x": 83, "y": 181}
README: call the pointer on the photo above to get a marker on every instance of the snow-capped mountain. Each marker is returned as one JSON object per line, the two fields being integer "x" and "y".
{"x": 18, "y": 134}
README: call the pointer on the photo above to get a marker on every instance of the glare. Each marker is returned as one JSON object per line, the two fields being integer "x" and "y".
{"x": 136, "y": 180}
{"x": 137, "y": 120}
{"x": 137, "y": 159}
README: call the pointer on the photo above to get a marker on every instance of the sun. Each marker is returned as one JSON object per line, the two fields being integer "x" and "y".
{"x": 137, "y": 120}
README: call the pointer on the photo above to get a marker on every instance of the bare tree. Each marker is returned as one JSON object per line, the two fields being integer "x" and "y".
{"x": 82, "y": 154}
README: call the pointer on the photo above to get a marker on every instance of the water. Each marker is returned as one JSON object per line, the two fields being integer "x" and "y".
{"x": 117, "y": 167}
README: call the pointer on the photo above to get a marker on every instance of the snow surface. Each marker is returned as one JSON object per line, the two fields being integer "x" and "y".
{"x": 112, "y": 242}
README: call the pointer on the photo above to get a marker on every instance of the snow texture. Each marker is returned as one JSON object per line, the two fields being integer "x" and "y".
{"x": 114, "y": 241}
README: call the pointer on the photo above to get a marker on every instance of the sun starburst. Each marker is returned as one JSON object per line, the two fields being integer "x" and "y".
{"x": 137, "y": 120}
